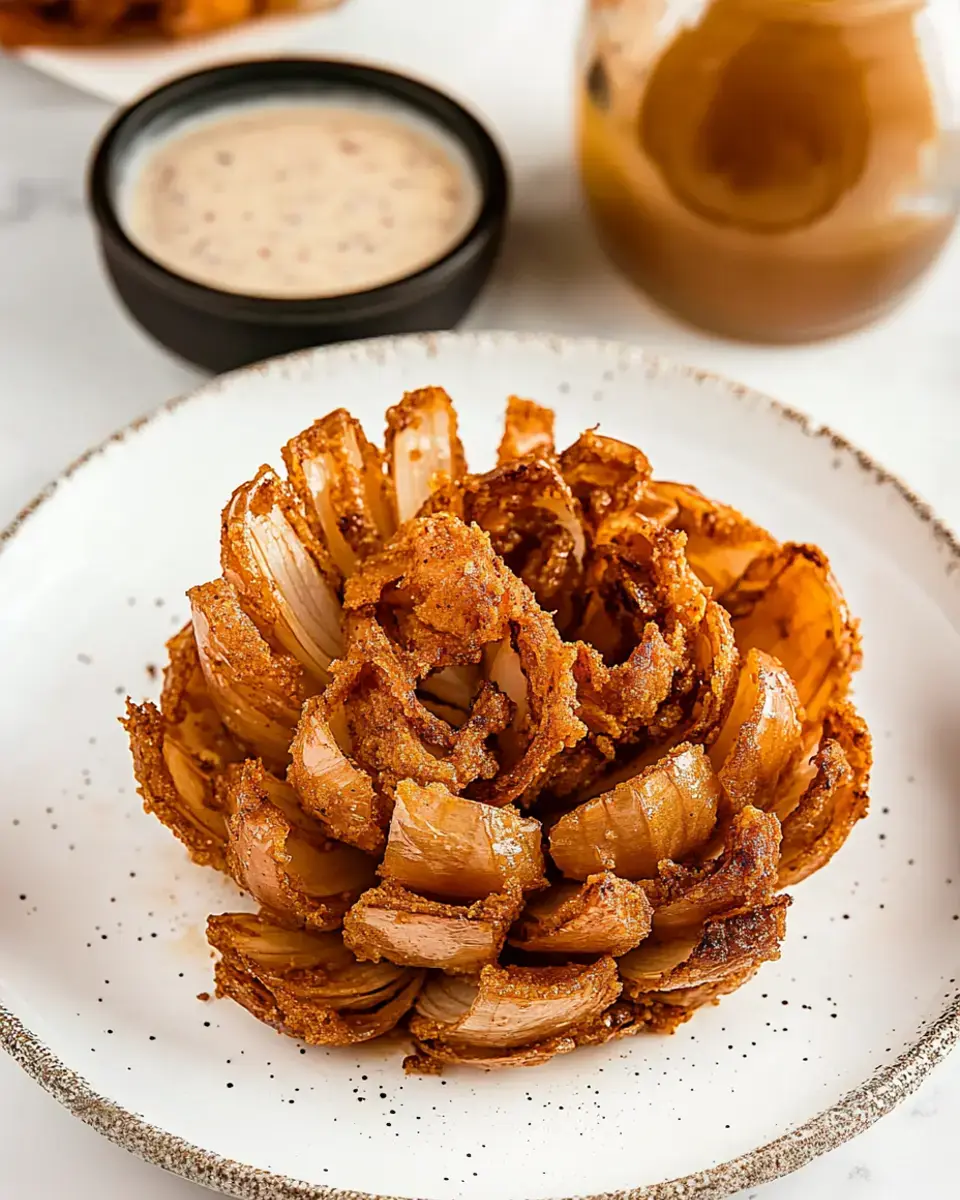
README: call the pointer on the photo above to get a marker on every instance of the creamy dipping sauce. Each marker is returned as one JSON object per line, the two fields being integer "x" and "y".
{"x": 300, "y": 201}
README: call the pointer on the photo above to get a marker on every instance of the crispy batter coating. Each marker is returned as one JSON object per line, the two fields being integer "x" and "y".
{"x": 668, "y": 811}
{"x": 743, "y": 876}
{"x": 394, "y": 734}
{"x": 306, "y": 983}
{"x": 621, "y": 698}
{"x": 281, "y": 574}
{"x": 535, "y": 525}
{"x": 339, "y": 477}
{"x": 444, "y": 595}
{"x": 258, "y": 692}
{"x": 527, "y": 429}
{"x": 638, "y": 577}
{"x": 607, "y": 476}
{"x": 722, "y": 949}
{"x": 423, "y": 447}
{"x": 789, "y": 604}
{"x": 284, "y": 858}
{"x": 396, "y": 924}
{"x": 603, "y": 915}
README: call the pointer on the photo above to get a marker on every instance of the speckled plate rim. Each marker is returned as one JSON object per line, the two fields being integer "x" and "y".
{"x": 851, "y": 1115}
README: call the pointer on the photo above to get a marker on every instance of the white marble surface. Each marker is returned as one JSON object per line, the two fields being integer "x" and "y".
{"x": 72, "y": 369}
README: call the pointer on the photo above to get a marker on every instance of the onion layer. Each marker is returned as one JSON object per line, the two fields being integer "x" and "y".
{"x": 308, "y": 984}
{"x": 528, "y": 429}
{"x": 445, "y": 845}
{"x": 667, "y": 811}
{"x": 513, "y": 1006}
{"x": 743, "y": 876}
{"x": 331, "y": 786}
{"x": 393, "y": 923}
{"x": 180, "y": 754}
{"x": 281, "y": 574}
{"x": 604, "y": 915}
{"x": 789, "y": 604}
{"x": 721, "y": 542}
{"x": 761, "y": 740}
{"x": 422, "y": 447}
{"x": 339, "y": 477}
{"x": 257, "y": 692}
{"x": 284, "y": 859}
{"x": 724, "y": 948}
{"x": 834, "y": 801}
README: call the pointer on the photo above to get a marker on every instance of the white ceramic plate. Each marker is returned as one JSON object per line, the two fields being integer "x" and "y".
{"x": 101, "y": 915}
{"x": 478, "y": 48}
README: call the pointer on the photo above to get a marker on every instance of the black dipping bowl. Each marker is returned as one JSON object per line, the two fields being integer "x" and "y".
{"x": 220, "y": 330}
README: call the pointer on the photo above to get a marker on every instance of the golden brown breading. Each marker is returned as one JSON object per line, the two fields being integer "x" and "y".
{"x": 443, "y": 596}
{"x": 668, "y": 811}
{"x": 744, "y": 876}
{"x": 528, "y": 429}
{"x": 394, "y": 923}
{"x": 789, "y": 604}
{"x": 284, "y": 858}
{"x": 258, "y": 692}
{"x": 306, "y": 983}
{"x": 603, "y": 915}
{"x": 339, "y": 477}
{"x": 607, "y": 476}
{"x": 723, "y": 948}
{"x": 638, "y": 576}
{"x": 461, "y": 849}
{"x": 535, "y": 525}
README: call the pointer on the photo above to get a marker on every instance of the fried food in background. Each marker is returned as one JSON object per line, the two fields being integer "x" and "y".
{"x": 93, "y": 22}
{"x": 514, "y": 762}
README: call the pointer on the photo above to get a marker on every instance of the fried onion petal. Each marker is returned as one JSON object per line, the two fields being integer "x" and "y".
{"x": 789, "y": 604}
{"x": 603, "y": 915}
{"x": 835, "y": 800}
{"x": 257, "y": 691}
{"x": 340, "y": 480}
{"x": 284, "y": 858}
{"x": 394, "y": 923}
{"x": 528, "y": 429}
{"x": 306, "y": 983}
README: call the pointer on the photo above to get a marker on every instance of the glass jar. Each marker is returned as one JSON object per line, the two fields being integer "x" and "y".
{"x": 772, "y": 170}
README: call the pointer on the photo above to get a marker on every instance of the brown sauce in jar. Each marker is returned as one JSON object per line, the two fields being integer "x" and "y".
{"x": 762, "y": 174}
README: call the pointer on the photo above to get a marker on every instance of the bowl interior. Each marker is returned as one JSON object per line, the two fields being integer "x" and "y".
{"x": 102, "y": 954}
